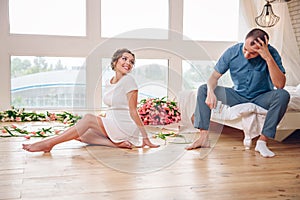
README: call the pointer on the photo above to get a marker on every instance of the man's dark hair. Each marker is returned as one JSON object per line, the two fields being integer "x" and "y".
{"x": 257, "y": 33}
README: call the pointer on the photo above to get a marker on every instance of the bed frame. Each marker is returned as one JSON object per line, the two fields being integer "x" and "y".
{"x": 289, "y": 123}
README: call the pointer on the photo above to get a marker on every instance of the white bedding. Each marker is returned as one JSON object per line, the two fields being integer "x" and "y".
{"x": 250, "y": 117}
{"x": 294, "y": 104}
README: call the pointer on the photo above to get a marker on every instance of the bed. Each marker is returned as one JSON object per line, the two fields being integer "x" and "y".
{"x": 247, "y": 117}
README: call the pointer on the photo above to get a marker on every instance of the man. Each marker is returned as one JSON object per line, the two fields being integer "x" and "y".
{"x": 258, "y": 77}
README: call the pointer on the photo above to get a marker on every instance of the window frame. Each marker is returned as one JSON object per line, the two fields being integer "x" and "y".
{"x": 58, "y": 46}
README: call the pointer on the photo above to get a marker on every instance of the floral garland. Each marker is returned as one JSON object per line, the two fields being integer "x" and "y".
{"x": 163, "y": 135}
{"x": 19, "y": 115}
{"x": 156, "y": 111}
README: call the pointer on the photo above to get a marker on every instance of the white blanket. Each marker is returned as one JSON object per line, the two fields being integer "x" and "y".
{"x": 251, "y": 115}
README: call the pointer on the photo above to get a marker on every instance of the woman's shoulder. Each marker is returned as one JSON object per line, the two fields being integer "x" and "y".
{"x": 129, "y": 81}
{"x": 128, "y": 78}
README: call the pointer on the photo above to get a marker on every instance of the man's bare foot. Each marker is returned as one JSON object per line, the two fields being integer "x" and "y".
{"x": 38, "y": 146}
{"x": 124, "y": 144}
{"x": 201, "y": 142}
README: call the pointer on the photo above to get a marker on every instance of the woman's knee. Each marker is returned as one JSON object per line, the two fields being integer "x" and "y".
{"x": 88, "y": 117}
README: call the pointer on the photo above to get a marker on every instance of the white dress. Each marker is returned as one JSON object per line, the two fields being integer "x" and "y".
{"x": 118, "y": 124}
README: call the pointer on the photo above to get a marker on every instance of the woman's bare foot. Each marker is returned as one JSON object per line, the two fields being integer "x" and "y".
{"x": 124, "y": 144}
{"x": 78, "y": 139}
{"x": 38, "y": 146}
{"x": 201, "y": 142}
{"x": 193, "y": 119}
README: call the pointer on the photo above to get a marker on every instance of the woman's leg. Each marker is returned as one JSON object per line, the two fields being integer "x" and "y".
{"x": 89, "y": 121}
{"x": 95, "y": 137}
{"x": 46, "y": 145}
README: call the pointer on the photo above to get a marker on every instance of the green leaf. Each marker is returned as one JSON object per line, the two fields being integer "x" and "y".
{"x": 5, "y": 127}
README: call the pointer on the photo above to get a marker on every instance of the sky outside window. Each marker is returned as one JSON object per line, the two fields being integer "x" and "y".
{"x": 129, "y": 19}
{"x": 215, "y": 20}
{"x": 48, "y": 17}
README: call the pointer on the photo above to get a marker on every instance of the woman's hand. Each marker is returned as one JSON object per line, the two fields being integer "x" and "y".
{"x": 147, "y": 142}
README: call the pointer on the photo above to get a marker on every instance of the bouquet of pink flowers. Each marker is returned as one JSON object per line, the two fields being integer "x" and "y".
{"x": 156, "y": 111}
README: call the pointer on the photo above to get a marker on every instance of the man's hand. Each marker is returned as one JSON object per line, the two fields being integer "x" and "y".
{"x": 261, "y": 48}
{"x": 211, "y": 99}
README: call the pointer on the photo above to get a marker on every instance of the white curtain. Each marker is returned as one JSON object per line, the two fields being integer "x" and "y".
{"x": 282, "y": 35}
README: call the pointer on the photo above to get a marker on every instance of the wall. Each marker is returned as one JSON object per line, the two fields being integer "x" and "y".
{"x": 294, "y": 10}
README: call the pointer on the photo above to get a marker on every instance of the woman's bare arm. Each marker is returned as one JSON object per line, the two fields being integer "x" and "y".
{"x": 132, "y": 101}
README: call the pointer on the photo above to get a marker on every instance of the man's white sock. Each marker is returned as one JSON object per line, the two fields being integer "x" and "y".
{"x": 261, "y": 147}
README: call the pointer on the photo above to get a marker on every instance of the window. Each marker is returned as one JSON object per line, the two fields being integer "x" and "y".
{"x": 135, "y": 19}
{"x": 197, "y": 72}
{"x": 211, "y": 20}
{"x": 52, "y": 82}
{"x": 48, "y": 17}
{"x": 151, "y": 76}
{"x": 141, "y": 25}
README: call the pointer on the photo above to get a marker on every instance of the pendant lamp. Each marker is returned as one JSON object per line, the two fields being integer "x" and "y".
{"x": 267, "y": 18}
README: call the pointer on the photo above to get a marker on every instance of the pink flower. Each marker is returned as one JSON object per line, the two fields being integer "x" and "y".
{"x": 13, "y": 126}
{"x": 27, "y": 137}
{"x": 155, "y": 111}
{"x": 52, "y": 116}
{"x": 4, "y": 131}
{"x": 171, "y": 112}
{"x": 18, "y": 119}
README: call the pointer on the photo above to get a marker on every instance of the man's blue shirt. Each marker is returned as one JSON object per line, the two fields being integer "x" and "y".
{"x": 250, "y": 77}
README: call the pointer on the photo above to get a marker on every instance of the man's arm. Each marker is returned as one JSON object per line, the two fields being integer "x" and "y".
{"x": 277, "y": 76}
{"x": 211, "y": 99}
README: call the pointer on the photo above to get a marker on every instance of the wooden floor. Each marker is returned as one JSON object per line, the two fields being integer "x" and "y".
{"x": 76, "y": 171}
